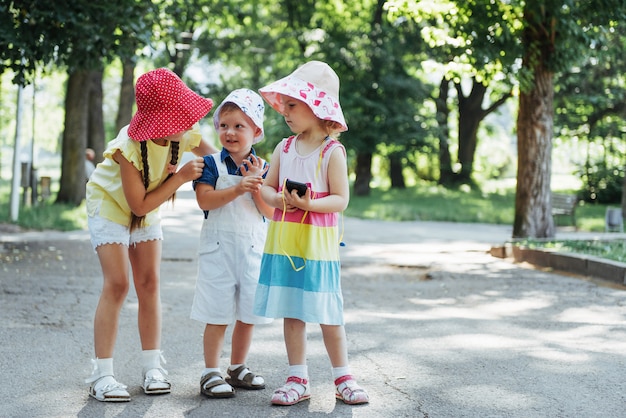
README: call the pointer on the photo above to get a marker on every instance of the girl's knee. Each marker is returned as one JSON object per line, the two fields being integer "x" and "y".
{"x": 148, "y": 285}
{"x": 294, "y": 323}
{"x": 116, "y": 290}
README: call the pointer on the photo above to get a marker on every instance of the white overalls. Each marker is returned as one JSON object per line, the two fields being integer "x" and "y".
{"x": 229, "y": 258}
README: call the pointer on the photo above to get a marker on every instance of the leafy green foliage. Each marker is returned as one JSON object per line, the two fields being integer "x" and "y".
{"x": 77, "y": 34}
{"x": 602, "y": 184}
{"x": 558, "y": 33}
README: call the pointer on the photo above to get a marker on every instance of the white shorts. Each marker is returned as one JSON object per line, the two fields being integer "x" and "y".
{"x": 228, "y": 273}
{"x": 104, "y": 231}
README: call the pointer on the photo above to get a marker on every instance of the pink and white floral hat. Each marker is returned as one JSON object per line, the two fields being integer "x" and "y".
{"x": 314, "y": 83}
{"x": 250, "y": 103}
{"x": 165, "y": 106}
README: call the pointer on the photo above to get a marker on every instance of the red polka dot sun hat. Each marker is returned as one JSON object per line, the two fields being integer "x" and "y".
{"x": 314, "y": 83}
{"x": 165, "y": 106}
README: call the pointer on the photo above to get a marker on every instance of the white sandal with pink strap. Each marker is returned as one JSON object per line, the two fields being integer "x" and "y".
{"x": 291, "y": 392}
{"x": 349, "y": 391}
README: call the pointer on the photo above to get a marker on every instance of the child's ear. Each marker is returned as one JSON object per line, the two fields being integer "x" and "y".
{"x": 258, "y": 131}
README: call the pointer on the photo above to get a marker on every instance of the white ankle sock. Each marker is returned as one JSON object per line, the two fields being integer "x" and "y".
{"x": 104, "y": 366}
{"x": 258, "y": 380}
{"x": 299, "y": 370}
{"x": 224, "y": 388}
{"x": 151, "y": 359}
{"x": 341, "y": 371}
{"x": 209, "y": 370}
{"x": 101, "y": 367}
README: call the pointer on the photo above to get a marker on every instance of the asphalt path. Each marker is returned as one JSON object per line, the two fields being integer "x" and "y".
{"x": 436, "y": 328}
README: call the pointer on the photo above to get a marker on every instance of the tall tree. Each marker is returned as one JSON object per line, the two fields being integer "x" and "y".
{"x": 549, "y": 36}
{"x": 590, "y": 113}
{"x": 475, "y": 50}
{"x": 80, "y": 36}
{"x": 556, "y": 34}
{"x": 269, "y": 40}
{"x": 84, "y": 60}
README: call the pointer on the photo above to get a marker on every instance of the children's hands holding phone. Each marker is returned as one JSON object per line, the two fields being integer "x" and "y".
{"x": 297, "y": 196}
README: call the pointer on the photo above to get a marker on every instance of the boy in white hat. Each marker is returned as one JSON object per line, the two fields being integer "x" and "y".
{"x": 231, "y": 243}
{"x": 300, "y": 277}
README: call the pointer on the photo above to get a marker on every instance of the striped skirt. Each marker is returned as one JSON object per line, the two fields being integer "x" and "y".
{"x": 300, "y": 269}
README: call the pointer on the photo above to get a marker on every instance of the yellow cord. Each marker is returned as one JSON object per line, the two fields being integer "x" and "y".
{"x": 282, "y": 220}
{"x": 280, "y": 231}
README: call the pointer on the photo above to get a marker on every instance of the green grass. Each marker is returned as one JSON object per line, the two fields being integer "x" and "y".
{"x": 613, "y": 250}
{"x": 43, "y": 215}
{"x": 435, "y": 203}
{"x": 425, "y": 202}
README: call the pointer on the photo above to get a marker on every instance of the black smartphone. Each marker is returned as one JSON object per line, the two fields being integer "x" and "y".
{"x": 300, "y": 187}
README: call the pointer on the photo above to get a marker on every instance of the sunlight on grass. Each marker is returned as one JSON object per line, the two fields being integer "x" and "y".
{"x": 433, "y": 203}
{"x": 613, "y": 250}
{"x": 494, "y": 204}
{"x": 43, "y": 215}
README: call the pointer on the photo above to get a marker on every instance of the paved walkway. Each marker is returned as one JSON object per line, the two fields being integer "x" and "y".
{"x": 436, "y": 328}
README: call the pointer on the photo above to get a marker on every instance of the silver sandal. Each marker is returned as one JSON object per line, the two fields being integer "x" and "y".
{"x": 155, "y": 382}
{"x": 107, "y": 389}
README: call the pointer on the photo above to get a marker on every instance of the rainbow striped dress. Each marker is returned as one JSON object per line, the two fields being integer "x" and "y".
{"x": 300, "y": 269}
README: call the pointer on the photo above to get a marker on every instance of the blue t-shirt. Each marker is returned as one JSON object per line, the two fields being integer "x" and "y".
{"x": 210, "y": 172}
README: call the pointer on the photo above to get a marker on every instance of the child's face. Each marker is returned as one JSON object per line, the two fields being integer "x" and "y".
{"x": 236, "y": 131}
{"x": 298, "y": 115}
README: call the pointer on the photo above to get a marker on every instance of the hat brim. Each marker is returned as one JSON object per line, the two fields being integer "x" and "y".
{"x": 165, "y": 106}
{"x": 158, "y": 124}
{"x": 323, "y": 104}
{"x": 250, "y": 103}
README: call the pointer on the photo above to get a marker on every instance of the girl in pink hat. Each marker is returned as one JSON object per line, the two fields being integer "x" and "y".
{"x": 124, "y": 193}
{"x": 300, "y": 277}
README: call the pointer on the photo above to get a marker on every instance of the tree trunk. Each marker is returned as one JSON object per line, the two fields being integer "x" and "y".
{"x": 127, "y": 95}
{"x": 395, "y": 171}
{"x": 95, "y": 137}
{"x": 446, "y": 175}
{"x": 623, "y": 202}
{"x": 72, "y": 183}
{"x": 363, "y": 171}
{"x": 533, "y": 206}
{"x": 471, "y": 114}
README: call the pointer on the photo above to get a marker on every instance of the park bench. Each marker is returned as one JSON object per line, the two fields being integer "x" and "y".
{"x": 564, "y": 205}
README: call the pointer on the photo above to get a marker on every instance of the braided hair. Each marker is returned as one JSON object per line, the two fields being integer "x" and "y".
{"x": 137, "y": 221}
{"x": 173, "y": 163}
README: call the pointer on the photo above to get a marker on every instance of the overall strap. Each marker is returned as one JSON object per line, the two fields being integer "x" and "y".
{"x": 222, "y": 170}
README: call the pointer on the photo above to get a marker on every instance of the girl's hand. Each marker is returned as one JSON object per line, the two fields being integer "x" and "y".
{"x": 293, "y": 201}
{"x": 192, "y": 169}
{"x": 253, "y": 166}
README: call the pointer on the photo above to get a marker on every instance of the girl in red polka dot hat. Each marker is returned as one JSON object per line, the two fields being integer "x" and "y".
{"x": 139, "y": 173}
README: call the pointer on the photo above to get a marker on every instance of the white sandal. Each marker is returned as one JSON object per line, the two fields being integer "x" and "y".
{"x": 155, "y": 382}
{"x": 349, "y": 391}
{"x": 107, "y": 389}
{"x": 289, "y": 394}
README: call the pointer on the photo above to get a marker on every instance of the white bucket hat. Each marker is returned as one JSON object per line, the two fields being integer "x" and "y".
{"x": 314, "y": 83}
{"x": 250, "y": 103}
